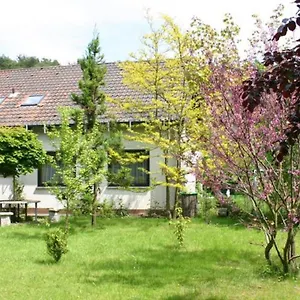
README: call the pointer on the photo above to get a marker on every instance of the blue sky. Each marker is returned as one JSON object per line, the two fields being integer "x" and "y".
{"x": 61, "y": 29}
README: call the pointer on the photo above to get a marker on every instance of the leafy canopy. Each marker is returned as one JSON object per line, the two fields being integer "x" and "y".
{"x": 20, "y": 151}
{"x": 24, "y": 61}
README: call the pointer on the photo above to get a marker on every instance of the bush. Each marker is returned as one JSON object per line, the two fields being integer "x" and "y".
{"x": 106, "y": 209}
{"x": 84, "y": 206}
{"x": 121, "y": 210}
{"x": 207, "y": 206}
{"x": 56, "y": 241}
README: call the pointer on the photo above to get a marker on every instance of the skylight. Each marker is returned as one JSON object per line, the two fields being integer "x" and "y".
{"x": 2, "y": 99}
{"x": 33, "y": 100}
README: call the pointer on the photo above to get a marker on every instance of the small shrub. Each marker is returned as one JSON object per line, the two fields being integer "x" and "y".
{"x": 272, "y": 271}
{"x": 157, "y": 211}
{"x": 56, "y": 241}
{"x": 122, "y": 210}
{"x": 44, "y": 222}
{"x": 106, "y": 209}
{"x": 180, "y": 225}
{"x": 162, "y": 213}
{"x": 207, "y": 206}
{"x": 84, "y": 206}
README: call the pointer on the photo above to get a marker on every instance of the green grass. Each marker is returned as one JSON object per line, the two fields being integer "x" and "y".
{"x": 138, "y": 259}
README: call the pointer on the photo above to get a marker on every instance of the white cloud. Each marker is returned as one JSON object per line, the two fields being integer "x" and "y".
{"x": 62, "y": 28}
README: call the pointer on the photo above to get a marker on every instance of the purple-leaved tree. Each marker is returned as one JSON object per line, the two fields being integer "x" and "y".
{"x": 253, "y": 146}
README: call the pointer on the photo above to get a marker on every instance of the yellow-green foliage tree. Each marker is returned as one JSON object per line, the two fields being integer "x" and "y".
{"x": 169, "y": 67}
{"x": 160, "y": 69}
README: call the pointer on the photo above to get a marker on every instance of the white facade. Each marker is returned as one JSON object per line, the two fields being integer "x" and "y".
{"x": 144, "y": 199}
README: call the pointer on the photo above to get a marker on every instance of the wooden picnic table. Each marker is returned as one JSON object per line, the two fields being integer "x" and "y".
{"x": 18, "y": 203}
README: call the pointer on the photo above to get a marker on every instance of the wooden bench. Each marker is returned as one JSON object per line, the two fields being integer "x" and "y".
{"x": 5, "y": 218}
{"x": 18, "y": 203}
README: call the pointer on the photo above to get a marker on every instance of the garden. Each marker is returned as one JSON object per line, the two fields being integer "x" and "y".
{"x": 139, "y": 258}
{"x": 232, "y": 123}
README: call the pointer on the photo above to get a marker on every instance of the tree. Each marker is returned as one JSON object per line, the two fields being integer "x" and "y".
{"x": 98, "y": 143}
{"x": 92, "y": 98}
{"x": 20, "y": 153}
{"x": 77, "y": 159}
{"x": 251, "y": 149}
{"x": 241, "y": 151}
{"x": 67, "y": 140}
{"x": 168, "y": 67}
{"x": 24, "y": 61}
{"x": 280, "y": 76}
{"x": 154, "y": 72}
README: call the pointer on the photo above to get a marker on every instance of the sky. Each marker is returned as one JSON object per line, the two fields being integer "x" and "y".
{"x": 61, "y": 29}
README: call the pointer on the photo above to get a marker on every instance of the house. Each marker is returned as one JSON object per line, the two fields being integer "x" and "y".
{"x": 31, "y": 97}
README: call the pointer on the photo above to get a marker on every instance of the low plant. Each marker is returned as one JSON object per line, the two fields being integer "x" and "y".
{"x": 207, "y": 205}
{"x": 84, "y": 205}
{"x": 180, "y": 225}
{"x": 106, "y": 209}
{"x": 121, "y": 210}
{"x": 156, "y": 210}
{"x": 57, "y": 243}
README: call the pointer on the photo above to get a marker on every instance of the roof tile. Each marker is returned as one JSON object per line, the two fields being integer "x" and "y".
{"x": 56, "y": 83}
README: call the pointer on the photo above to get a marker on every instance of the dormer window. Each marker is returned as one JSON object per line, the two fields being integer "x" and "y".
{"x": 33, "y": 100}
{"x": 2, "y": 99}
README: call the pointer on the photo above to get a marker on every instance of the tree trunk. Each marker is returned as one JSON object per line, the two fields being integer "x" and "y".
{"x": 67, "y": 217}
{"x": 14, "y": 187}
{"x": 289, "y": 252}
{"x": 94, "y": 204}
{"x": 168, "y": 196}
{"x": 268, "y": 249}
{"x": 292, "y": 255}
{"x": 176, "y": 200}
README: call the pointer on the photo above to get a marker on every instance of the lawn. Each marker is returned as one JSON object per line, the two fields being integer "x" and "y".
{"x": 137, "y": 258}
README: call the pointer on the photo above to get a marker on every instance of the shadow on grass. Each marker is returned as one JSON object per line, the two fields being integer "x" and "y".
{"x": 193, "y": 296}
{"x": 227, "y": 222}
{"x": 84, "y": 223}
{"x": 26, "y": 235}
{"x": 81, "y": 224}
{"x": 156, "y": 268}
{"x": 48, "y": 261}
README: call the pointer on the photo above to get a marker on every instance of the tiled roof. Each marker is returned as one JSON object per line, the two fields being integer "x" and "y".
{"x": 56, "y": 84}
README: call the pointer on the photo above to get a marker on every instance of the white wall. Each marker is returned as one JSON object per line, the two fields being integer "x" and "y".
{"x": 143, "y": 199}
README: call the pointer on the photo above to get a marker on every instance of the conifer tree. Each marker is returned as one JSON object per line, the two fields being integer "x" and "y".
{"x": 92, "y": 98}
{"x": 98, "y": 142}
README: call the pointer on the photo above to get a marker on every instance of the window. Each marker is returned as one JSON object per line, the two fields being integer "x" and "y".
{"x": 46, "y": 173}
{"x": 33, "y": 100}
{"x": 139, "y": 171}
{"x": 2, "y": 99}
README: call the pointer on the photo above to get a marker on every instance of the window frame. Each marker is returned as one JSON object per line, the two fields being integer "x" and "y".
{"x": 33, "y": 104}
{"x": 134, "y": 184}
{"x": 41, "y": 183}
{"x": 2, "y": 99}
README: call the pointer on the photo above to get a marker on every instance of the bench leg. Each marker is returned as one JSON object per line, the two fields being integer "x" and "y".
{"x": 26, "y": 208}
{"x": 35, "y": 212}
